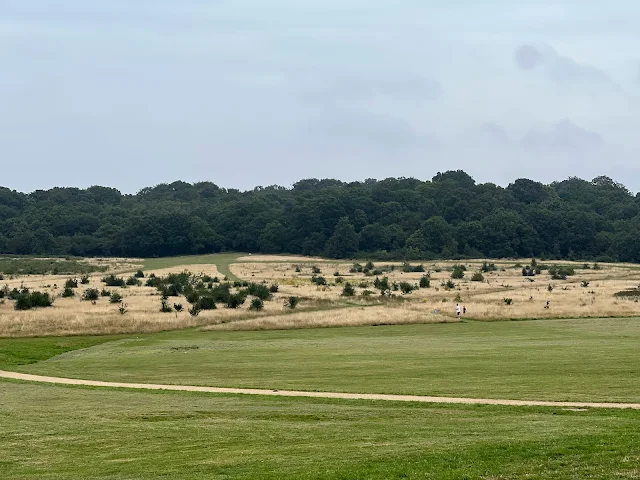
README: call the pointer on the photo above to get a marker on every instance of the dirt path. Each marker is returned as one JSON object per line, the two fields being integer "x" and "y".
{"x": 288, "y": 393}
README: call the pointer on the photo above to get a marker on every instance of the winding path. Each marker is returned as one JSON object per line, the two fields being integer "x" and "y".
{"x": 289, "y": 393}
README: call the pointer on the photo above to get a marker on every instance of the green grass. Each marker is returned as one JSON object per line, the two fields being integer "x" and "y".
{"x": 581, "y": 360}
{"x": 220, "y": 260}
{"x": 45, "y": 266}
{"x": 51, "y": 432}
{"x": 23, "y": 351}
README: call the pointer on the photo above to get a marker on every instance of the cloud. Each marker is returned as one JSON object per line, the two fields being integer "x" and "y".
{"x": 563, "y": 70}
{"x": 562, "y": 136}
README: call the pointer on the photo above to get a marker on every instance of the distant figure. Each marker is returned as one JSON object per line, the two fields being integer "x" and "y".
{"x": 547, "y": 305}
{"x": 464, "y": 310}
{"x": 531, "y": 298}
{"x": 458, "y": 310}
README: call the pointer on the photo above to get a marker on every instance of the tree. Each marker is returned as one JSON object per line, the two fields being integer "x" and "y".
{"x": 344, "y": 241}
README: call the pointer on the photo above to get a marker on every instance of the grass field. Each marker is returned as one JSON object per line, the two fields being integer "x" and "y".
{"x": 51, "y": 432}
{"x": 573, "y": 360}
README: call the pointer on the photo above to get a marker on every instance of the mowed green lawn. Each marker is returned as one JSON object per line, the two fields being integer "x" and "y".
{"x": 52, "y": 432}
{"x": 581, "y": 360}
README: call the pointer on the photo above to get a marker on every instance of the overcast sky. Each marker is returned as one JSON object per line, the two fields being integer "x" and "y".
{"x": 257, "y": 92}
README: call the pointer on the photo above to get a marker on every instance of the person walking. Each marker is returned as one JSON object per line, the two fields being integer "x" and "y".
{"x": 458, "y": 311}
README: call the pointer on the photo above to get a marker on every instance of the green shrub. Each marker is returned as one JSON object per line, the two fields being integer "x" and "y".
{"x": 292, "y": 302}
{"x": 320, "y": 281}
{"x": 105, "y": 293}
{"x": 584, "y": 284}
{"x": 91, "y": 295}
{"x": 165, "y": 307}
{"x": 133, "y": 282}
{"x": 458, "y": 272}
{"x": 348, "y": 290}
{"x": 68, "y": 293}
{"x": 178, "y": 307}
{"x": 123, "y": 308}
{"x": 85, "y": 280}
{"x": 508, "y": 301}
{"x": 206, "y": 302}
{"x": 71, "y": 283}
{"x": 448, "y": 285}
{"x": 477, "y": 277}
{"x": 316, "y": 270}
{"x": 406, "y": 288}
{"x": 408, "y": 268}
{"x": 139, "y": 274}
{"x": 235, "y": 300}
{"x": 382, "y": 285}
{"x": 274, "y": 288}
{"x": 113, "y": 281}
{"x": 259, "y": 290}
{"x": 425, "y": 281}
{"x": 27, "y": 300}
{"x": 256, "y": 305}
{"x": 488, "y": 267}
{"x": 115, "y": 298}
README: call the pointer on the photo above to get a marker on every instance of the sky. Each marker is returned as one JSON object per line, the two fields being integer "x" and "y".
{"x": 248, "y": 93}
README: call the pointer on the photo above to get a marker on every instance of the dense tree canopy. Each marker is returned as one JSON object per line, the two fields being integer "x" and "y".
{"x": 450, "y": 216}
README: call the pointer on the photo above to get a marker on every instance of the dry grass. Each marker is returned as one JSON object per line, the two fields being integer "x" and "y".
{"x": 343, "y": 317}
{"x": 483, "y": 300}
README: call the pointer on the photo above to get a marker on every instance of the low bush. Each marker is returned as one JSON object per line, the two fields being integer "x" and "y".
{"x": 91, "y": 295}
{"x": 292, "y": 302}
{"x": 256, "y": 305}
{"x": 68, "y": 293}
{"x": 348, "y": 290}
{"x": 133, "y": 282}
{"x": 85, "y": 280}
{"x": 477, "y": 277}
{"x": 28, "y": 300}
{"x": 113, "y": 281}
{"x": 425, "y": 281}
{"x": 71, "y": 283}
{"x": 139, "y": 274}
{"x": 115, "y": 298}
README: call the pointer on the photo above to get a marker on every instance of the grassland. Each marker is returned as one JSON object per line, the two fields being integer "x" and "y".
{"x": 572, "y": 360}
{"x": 51, "y": 432}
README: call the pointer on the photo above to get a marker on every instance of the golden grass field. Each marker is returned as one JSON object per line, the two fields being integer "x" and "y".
{"x": 324, "y": 306}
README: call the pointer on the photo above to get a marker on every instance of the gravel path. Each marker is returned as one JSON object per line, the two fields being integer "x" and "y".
{"x": 288, "y": 393}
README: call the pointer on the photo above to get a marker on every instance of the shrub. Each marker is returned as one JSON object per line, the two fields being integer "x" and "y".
{"x": 508, "y": 301}
{"x": 408, "y": 268}
{"x": 364, "y": 284}
{"x": 458, "y": 272}
{"x": 448, "y": 285}
{"x": 320, "y": 281}
{"x": 488, "y": 267}
{"x": 377, "y": 271}
{"x": 133, "y": 282}
{"x": 382, "y": 285}
{"x": 85, "y": 280}
{"x": 477, "y": 277}
{"x": 139, "y": 274}
{"x": 256, "y": 305}
{"x": 113, "y": 281}
{"x": 596, "y": 266}
{"x": 194, "y": 311}
{"x": 68, "y": 293}
{"x": 425, "y": 281}
{"x": 165, "y": 307}
{"x": 115, "y": 298}
{"x": 123, "y": 308}
{"x": 339, "y": 280}
{"x": 316, "y": 270}
{"x": 292, "y": 302}
{"x": 91, "y": 294}
{"x": 369, "y": 265}
{"x": 153, "y": 281}
{"x": 336, "y": 274}
{"x": 584, "y": 284}
{"x": 367, "y": 293}
{"x": 274, "y": 288}
{"x": 206, "y": 302}
{"x": 105, "y": 293}
{"x": 71, "y": 283}
{"x": 348, "y": 290}
{"x": 529, "y": 271}
{"x": 298, "y": 269}
{"x": 357, "y": 268}
{"x": 550, "y": 288}
{"x": 27, "y": 300}
{"x": 406, "y": 288}
{"x": 235, "y": 301}
{"x": 259, "y": 290}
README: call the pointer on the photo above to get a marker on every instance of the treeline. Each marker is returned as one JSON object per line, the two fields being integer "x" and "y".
{"x": 450, "y": 216}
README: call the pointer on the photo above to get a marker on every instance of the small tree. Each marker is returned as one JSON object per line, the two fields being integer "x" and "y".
{"x": 68, "y": 293}
{"x": 123, "y": 308}
{"x": 406, "y": 288}
{"x": 85, "y": 280}
{"x": 316, "y": 270}
{"x": 256, "y": 305}
{"x": 165, "y": 307}
{"x": 477, "y": 277}
{"x": 194, "y": 311}
{"x": 178, "y": 307}
{"x": 105, "y": 293}
{"x": 458, "y": 272}
{"x": 508, "y": 301}
{"x": 91, "y": 295}
{"x": 133, "y": 282}
{"x": 292, "y": 302}
{"x": 348, "y": 290}
{"x": 274, "y": 288}
{"x": 71, "y": 283}
{"x": 139, "y": 274}
{"x": 115, "y": 298}
{"x": 425, "y": 281}
{"x": 584, "y": 284}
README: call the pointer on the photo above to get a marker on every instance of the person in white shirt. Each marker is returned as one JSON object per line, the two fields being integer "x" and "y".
{"x": 458, "y": 310}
